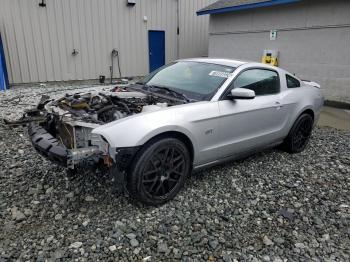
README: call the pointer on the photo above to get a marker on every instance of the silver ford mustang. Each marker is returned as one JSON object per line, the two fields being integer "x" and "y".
{"x": 187, "y": 115}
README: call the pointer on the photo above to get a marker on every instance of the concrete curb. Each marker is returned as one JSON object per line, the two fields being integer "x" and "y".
{"x": 337, "y": 104}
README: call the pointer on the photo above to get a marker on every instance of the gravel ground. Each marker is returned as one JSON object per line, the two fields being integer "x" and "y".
{"x": 272, "y": 206}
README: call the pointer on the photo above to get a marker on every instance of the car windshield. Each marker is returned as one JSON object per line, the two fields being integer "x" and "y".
{"x": 195, "y": 80}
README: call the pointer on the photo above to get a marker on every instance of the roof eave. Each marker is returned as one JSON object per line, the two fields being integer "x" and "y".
{"x": 245, "y": 7}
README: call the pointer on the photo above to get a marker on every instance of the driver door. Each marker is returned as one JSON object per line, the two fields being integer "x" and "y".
{"x": 248, "y": 124}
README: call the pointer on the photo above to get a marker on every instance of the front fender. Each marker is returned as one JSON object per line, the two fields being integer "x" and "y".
{"x": 136, "y": 130}
{"x": 169, "y": 128}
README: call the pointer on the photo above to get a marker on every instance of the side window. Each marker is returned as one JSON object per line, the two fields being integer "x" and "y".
{"x": 261, "y": 81}
{"x": 292, "y": 82}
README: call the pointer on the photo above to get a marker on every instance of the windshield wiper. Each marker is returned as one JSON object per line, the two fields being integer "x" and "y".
{"x": 178, "y": 94}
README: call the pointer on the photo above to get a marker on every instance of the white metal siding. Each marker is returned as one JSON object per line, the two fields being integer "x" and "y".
{"x": 39, "y": 41}
{"x": 313, "y": 40}
{"x": 193, "y": 38}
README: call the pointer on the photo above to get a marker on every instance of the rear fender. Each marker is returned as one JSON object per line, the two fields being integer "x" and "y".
{"x": 311, "y": 83}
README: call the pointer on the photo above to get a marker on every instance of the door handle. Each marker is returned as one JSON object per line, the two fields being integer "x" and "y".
{"x": 278, "y": 105}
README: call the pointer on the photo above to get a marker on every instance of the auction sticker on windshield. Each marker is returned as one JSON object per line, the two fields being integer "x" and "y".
{"x": 220, "y": 74}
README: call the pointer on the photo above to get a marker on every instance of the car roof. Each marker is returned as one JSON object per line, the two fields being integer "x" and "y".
{"x": 218, "y": 61}
{"x": 234, "y": 63}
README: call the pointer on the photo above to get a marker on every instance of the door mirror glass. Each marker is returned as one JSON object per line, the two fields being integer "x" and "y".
{"x": 242, "y": 93}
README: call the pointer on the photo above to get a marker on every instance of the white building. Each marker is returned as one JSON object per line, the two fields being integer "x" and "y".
{"x": 311, "y": 36}
{"x": 60, "y": 40}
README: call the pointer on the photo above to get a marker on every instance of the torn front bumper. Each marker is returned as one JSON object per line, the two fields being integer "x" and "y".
{"x": 49, "y": 147}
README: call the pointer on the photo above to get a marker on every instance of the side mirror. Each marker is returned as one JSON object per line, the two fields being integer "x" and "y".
{"x": 242, "y": 93}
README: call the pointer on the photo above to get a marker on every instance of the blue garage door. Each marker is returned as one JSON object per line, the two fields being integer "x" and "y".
{"x": 3, "y": 72}
{"x": 156, "y": 45}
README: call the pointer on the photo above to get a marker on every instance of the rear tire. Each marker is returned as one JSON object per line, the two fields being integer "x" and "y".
{"x": 159, "y": 171}
{"x": 299, "y": 135}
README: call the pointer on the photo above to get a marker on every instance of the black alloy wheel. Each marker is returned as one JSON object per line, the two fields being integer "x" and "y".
{"x": 159, "y": 171}
{"x": 163, "y": 171}
{"x": 300, "y": 134}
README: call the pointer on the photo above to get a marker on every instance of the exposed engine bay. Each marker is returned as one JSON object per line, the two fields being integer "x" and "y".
{"x": 70, "y": 120}
{"x": 106, "y": 106}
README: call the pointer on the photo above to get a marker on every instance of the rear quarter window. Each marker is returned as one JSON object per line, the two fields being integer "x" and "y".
{"x": 292, "y": 82}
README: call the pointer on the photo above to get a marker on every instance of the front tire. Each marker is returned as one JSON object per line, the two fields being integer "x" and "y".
{"x": 159, "y": 171}
{"x": 299, "y": 135}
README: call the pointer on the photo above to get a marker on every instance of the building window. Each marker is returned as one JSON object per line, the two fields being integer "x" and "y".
{"x": 292, "y": 82}
{"x": 261, "y": 81}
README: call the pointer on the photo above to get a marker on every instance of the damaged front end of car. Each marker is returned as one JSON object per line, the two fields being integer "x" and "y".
{"x": 68, "y": 143}
{"x": 66, "y": 138}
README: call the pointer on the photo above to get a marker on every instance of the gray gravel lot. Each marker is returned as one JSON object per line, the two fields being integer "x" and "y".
{"x": 272, "y": 206}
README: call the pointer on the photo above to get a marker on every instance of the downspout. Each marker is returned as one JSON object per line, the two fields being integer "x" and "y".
{"x": 178, "y": 29}
{"x": 114, "y": 53}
